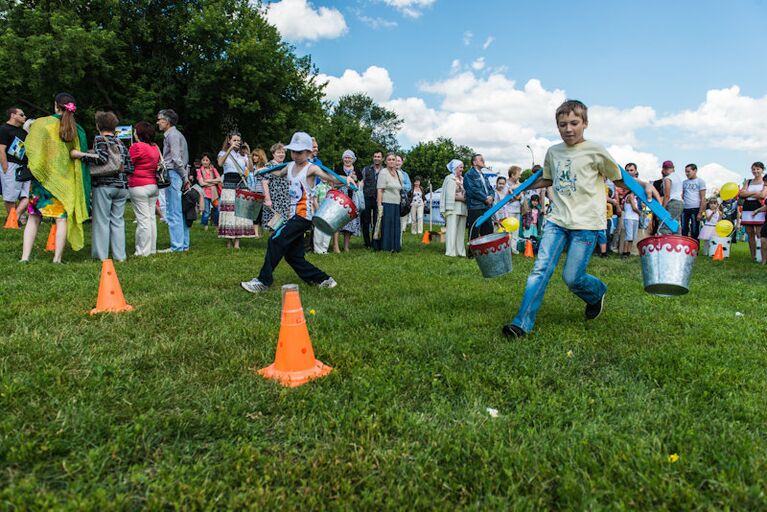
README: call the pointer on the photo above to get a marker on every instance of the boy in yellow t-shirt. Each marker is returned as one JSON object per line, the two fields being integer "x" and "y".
{"x": 575, "y": 170}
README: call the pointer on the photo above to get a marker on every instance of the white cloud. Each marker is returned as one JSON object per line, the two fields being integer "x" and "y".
{"x": 648, "y": 164}
{"x": 478, "y": 64}
{"x": 374, "y": 81}
{"x": 410, "y": 8}
{"x": 376, "y": 23}
{"x": 455, "y": 66}
{"x": 715, "y": 175}
{"x": 616, "y": 126}
{"x": 725, "y": 120}
{"x": 298, "y": 20}
{"x": 467, "y": 37}
{"x": 488, "y": 42}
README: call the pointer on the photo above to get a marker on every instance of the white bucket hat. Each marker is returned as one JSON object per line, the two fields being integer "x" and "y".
{"x": 300, "y": 141}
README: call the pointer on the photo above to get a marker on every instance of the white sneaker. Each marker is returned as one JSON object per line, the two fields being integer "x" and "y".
{"x": 254, "y": 286}
{"x": 165, "y": 251}
{"x": 328, "y": 283}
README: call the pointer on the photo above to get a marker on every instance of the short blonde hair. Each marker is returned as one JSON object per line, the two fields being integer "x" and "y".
{"x": 514, "y": 169}
{"x": 276, "y": 147}
{"x": 574, "y": 106}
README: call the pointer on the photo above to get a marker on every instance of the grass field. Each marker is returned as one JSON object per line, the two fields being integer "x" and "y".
{"x": 160, "y": 408}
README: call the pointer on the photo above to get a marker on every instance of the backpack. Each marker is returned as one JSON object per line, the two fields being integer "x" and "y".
{"x": 114, "y": 164}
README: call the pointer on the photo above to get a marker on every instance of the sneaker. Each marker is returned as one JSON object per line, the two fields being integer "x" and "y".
{"x": 513, "y": 331}
{"x": 164, "y": 251}
{"x": 254, "y": 286}
{"x": 594, "y": 310}
{"x": 328, "y": 283}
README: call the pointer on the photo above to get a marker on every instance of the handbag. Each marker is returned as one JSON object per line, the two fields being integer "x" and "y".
{"x": 23, "y": 173}
{"x": 404, "y": 201}
{"x": 359, "y": 200}
{"x": 161, "y": 173}
{"x": 114, "y": 164}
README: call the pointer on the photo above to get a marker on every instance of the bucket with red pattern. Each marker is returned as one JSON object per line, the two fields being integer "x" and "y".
{"x": 667, "y": 264}
{"x": 335, "y": 212}
{"x": 492, "y": 253}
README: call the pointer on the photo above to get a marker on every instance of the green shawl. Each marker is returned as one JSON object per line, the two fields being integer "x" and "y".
{"x": 67, "y": 179}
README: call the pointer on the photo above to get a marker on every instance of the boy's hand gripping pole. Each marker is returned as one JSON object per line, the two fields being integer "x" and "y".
{"x": 655, "y": 207}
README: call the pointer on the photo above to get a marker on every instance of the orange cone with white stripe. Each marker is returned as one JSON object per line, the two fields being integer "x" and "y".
{"x": 294, "y": 364}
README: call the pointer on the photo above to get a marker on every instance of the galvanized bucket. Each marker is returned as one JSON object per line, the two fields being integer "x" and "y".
{"x": 335, "y": 212}
{"x": 667, "y": 264}
{"x": 492, "y": 253}
{"x": 276, "y": 222}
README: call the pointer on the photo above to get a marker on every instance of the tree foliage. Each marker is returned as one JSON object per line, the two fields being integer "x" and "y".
{"x": 429, "y": 159}
{"x": 218, "y": 63}
{"x": 356, "y": 122}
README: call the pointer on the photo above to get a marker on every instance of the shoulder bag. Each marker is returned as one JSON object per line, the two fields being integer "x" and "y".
{"x": 114, "y": 164}
{"x": 404, "y": 201}
{"x": 161, "y": 173}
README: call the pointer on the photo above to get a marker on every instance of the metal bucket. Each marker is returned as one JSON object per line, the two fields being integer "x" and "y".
{"x": 667, "y": 264}
{"x": 276, "y": 222}
{"x": 247, "y": 204}
{"x": 492, "y": 253}
{"x": 335, "y": 212}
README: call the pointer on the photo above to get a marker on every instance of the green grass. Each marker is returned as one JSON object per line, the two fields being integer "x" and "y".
{"x": 161, "y": 408}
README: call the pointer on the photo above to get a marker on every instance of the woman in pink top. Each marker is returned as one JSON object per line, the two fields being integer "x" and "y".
{"x": 142, "y": 185}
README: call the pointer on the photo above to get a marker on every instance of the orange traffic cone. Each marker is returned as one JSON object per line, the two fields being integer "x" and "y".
{"x": 426, "y": 238}
{"x": 111, "y": 299}
{"x": 718, "y": 253}
{"x": 50, "y": 245}
{"x": 12, "y": 222}
{"x": 529, "y": 249}
{"x": 294, "y": 364}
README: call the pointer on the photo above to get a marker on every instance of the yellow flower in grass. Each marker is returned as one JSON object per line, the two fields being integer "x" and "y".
{"x": 569, "y": 353}
{"x": 312, "y": 312}
{"x": 673, "y": 458}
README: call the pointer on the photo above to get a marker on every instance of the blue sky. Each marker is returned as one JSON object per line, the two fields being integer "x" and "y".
{"x": 463, "y": 70}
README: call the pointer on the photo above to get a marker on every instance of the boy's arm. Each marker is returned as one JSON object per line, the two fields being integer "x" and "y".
{"x": 702, "y": 210}
{"x": 316, "y": 171}
{"x": 648, "y": 188}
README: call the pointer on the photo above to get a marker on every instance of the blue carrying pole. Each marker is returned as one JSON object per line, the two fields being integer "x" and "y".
{"x": 336, "y": 176}
{"x": 271, "y": 169}
{"x": 511, "y": 195}
{"x": 655, "y": 206}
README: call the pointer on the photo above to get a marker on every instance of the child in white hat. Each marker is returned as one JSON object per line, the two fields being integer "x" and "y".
{"x": 288, "y": 241}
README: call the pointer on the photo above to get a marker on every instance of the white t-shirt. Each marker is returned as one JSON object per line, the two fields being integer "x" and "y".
{"x": 676, "y": 186}
{"x": 229, "y": 165}
{"x": 691, "y": 192}
{"x": 628, "y": 211}
{"x": 577, "y": 173}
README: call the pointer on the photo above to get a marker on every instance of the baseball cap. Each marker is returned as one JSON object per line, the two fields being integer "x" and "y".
{"x": 668, "y": 164}
{"x": 300, "y": 141}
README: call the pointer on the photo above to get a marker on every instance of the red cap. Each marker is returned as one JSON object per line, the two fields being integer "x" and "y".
{"x": 668, "y": 164}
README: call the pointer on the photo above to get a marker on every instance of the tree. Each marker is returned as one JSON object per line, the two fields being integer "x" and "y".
{"x": 356, "y": 122}
{"x": 218, "y": 63}
{"x": 429, "y": 159}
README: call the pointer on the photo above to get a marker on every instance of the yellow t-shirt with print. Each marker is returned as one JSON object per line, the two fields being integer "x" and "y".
{"x": 609, "y": 214}
{"x": 578, "y": 190}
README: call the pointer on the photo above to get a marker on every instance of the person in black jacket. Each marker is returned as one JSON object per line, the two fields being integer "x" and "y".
{"x": 369, "y": 179}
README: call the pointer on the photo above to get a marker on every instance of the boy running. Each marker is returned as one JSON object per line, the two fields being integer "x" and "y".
{"x": 288, "y": 241}
{"x": 575, "y": 170}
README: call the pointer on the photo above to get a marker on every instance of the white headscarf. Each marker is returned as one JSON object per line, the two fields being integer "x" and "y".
{"x": 350, "y": 153}
{"x": 453, "y": 164}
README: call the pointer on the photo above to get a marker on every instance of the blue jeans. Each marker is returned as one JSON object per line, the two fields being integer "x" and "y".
{"x": 206, "y": 213}
{"x": 580, "y": 246}
{"x": 177, "y": 228}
